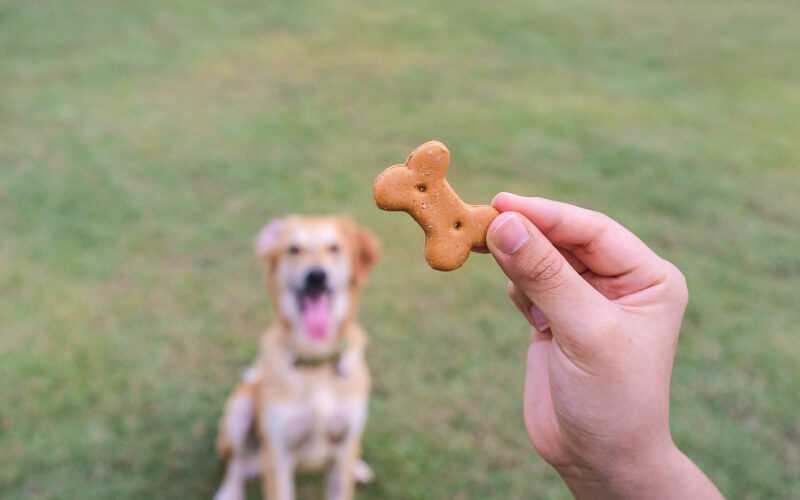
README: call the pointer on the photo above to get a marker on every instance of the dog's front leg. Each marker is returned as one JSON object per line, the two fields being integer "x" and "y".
{"x": 278, "y": 472}
{"x": 340, "y": 483}
{"x": 277, "y": 459}
{"x": 345, "y": 430}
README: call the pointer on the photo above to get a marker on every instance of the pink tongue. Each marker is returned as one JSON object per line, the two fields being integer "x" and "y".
{"x": 317, "y": 316}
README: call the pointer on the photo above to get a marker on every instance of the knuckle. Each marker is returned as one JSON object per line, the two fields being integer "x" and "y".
{"x": 546, "y": 269}
{"x": 677, "y": 285}
{"x": 601, "y": 219}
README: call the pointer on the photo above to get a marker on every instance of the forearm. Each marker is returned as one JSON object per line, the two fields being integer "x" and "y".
{"x": 672, "y": 477}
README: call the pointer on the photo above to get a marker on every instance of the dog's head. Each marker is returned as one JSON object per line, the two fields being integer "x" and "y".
{"x": 316, "y": 267}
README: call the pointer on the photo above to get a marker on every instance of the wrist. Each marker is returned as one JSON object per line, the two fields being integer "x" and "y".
{"x": 650, "y": 474}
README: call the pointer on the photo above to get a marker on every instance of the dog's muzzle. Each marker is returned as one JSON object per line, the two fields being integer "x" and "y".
{"x": 314, "y": 302}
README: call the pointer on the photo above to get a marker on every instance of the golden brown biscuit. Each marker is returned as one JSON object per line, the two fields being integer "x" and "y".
{"x": 452, "y": 227}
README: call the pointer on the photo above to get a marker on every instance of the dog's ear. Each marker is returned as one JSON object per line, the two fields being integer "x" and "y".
{"x": 269, "y": 239}
{"x": 369, "y": 251}
{"x": 430, "y": 159}
{"x": 366, "y": 251}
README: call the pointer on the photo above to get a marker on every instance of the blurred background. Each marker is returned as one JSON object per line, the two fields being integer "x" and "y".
{"x": 143, "y": 144}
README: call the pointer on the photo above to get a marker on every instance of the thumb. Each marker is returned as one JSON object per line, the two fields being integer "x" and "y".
{"x": 543, "y": 275}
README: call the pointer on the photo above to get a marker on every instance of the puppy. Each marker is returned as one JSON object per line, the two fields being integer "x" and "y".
{"x": 303, "y": 404}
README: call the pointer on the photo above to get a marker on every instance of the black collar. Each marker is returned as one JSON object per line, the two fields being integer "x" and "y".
{"x": 331, "y": 358}
{"x": 317, "y": 361}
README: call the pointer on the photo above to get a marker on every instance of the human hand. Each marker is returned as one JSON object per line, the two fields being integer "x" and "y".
{"x": 607, "y": 312}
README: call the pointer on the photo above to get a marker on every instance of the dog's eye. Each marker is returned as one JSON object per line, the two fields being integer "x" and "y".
{"x": 334, "y": 248}
{"x": 422, "y": 188}
{"x": 294, "y": 250}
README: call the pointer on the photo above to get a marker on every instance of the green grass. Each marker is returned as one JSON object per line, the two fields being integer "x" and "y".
{"x": 142, "y": 145}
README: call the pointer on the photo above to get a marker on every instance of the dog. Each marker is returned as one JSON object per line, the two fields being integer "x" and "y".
{"x": 302, "y": 405}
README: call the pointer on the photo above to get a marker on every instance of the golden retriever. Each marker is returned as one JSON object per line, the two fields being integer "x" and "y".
{"x": 303, "y": 404}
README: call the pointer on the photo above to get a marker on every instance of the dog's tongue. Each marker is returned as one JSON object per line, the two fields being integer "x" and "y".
{"x": 317, "y": 316}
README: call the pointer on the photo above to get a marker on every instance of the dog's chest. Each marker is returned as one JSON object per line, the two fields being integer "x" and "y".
{"x": 315, "y": 423}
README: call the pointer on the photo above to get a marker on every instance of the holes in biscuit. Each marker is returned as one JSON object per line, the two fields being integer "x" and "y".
{"x": 457, "y": 225}
{"x": 421, "y": 188}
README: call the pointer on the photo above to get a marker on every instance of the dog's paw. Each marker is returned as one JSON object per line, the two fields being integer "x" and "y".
{"x": 363, "y": 472}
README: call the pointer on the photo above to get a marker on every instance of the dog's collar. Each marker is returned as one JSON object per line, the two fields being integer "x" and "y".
{"x": 317, "y": 361}
{"x": 332, "y": 358}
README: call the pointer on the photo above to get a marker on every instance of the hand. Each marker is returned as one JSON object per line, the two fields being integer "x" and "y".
{"x": 607, "y": 312}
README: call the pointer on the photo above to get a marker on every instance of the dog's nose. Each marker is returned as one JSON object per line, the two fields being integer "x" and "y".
{"x": 316, "y": 279}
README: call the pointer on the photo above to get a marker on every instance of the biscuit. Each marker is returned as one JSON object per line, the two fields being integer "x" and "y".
{"x": 419, "y": 187}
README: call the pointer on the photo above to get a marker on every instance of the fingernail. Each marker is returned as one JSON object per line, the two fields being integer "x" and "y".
{"x": 508, "y": 233}
{"x": 498, "y": 196}
{"x": 540, "y": 321}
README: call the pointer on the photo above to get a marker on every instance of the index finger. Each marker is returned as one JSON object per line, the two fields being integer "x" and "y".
{"x": 601, "y": 243}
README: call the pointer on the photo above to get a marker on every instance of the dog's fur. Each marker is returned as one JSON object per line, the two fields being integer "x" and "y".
{"x": 303, "y": 404}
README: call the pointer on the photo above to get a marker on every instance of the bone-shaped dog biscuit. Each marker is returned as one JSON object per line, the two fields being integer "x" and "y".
{"x": 419, "y": 187}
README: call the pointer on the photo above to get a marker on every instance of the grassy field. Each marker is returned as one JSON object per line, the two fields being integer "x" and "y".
{"x": 143, "y": 144}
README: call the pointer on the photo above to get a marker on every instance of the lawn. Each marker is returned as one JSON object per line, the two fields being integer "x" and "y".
{"x": 143, "y": 144}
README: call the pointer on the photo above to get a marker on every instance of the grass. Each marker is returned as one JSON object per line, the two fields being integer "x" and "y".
{"x": 142, "y": 145}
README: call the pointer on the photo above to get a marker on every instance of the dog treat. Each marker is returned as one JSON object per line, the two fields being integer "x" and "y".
{"x": 419, "y": 187}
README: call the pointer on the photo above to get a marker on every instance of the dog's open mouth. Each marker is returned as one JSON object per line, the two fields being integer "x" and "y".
{"x": 315, "y": 311}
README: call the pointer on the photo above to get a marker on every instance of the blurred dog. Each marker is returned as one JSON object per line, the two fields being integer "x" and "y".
{"x": 303, "y": 404}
